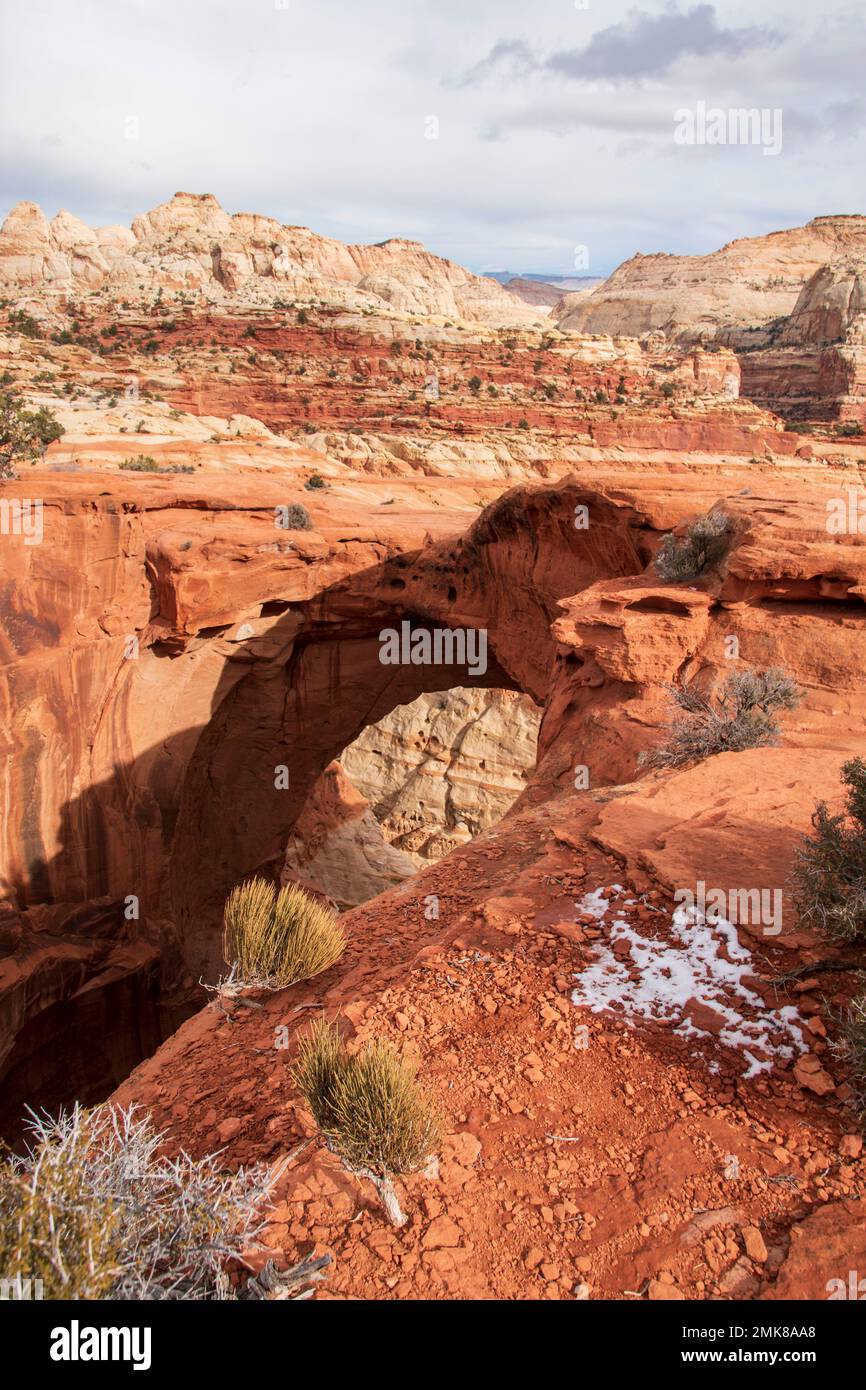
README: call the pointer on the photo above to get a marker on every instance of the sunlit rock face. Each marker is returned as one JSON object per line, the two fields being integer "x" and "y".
{"x": 450, "y": 764}
{"x": 428, "y": 777}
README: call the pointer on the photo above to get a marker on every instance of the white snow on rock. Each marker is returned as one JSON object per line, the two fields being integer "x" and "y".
{"x": 703, "y": 961}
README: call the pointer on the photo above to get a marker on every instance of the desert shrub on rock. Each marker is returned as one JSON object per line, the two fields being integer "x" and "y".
{"x": 742, "y": 715}
{"x": 140, "y": 463}
{"x": 295, "y": 517}
{"x": 146, "y": 463}
{"x": 24, "y": 434}
{"x": 705, "y": 543}
{"x": 368, "y": 1104}
{"x": 95, "y": 1211}
{"x": 274, "y": 938}
{"x": 830, "y": 866}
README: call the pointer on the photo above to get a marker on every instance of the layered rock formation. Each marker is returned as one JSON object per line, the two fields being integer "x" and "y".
{"x": 411, "y": 788}
{"x": 812, "y": 365}
{"x": 621, "y": 1148}
{"x": 191, "y": 244}
{"x": 746, "y": 284}
{"x": 790, "y": 303}
{"x": 337, "y": 845}
{"x": 210, "y": 635}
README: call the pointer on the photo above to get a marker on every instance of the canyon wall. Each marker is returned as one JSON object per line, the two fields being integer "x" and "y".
{"x": 791, "y": 304}
{"x": 746, "y": 284}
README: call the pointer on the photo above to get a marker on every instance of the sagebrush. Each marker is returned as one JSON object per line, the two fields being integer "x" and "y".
{"x": 368, "y": 1104}
{"x": 829, "y": 875}
{"x": 705, "y": 542}
{"x": 146, "y": 463}
{"x": 273, "y": 937}
{"x": 95, "y": 1211}
{"x": 741, "y": 715}
{"x": 295, "y": 517}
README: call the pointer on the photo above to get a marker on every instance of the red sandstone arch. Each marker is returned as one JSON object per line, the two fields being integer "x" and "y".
{"x": 176, "y": 821}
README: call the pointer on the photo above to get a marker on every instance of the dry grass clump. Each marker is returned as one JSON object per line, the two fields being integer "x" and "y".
{"x": 853, "y": 1049}
{"x": 368, "y": 1104}
{"x": 94, "y": 1211}
{"x": 741, "y": 716}
{"x": 272, "y": 939}
{"x": 830, "y": 866}
{"x": 705, "y": 543}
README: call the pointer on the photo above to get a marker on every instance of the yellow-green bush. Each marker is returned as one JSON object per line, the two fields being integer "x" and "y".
{"x": 275, "y": 938}
{"x": 368, "y": 1104}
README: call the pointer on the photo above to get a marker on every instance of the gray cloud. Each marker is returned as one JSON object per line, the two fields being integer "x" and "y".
{"x": 642, "y": 45}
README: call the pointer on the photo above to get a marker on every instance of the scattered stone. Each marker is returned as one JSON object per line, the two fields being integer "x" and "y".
{"x": 754, "y": 1244}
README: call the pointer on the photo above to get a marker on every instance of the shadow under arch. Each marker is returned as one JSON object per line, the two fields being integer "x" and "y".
{"x": 235, "y": 814}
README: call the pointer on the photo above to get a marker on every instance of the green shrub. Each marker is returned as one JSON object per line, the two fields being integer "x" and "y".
{"x": 322, "y": 1059}
{"x": 24, "y": 434}
{"x": 316, "y": 481}
{"x": 367, "y": 1104}
{"x": 829, "y": 875}
{"x": 741, "y": 716}
{"x": 25, "y": 324}
{"x": 705, "y": 543}
{"x": 272, "y": 939}
{"x": 144, "y": 463}
{"x": 141, "y": 463}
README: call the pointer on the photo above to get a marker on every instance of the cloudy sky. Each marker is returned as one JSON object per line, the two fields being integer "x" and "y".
{"x": 501, "y": 134}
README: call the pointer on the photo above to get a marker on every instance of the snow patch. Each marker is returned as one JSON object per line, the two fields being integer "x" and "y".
{"x": 704, "y": 962}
